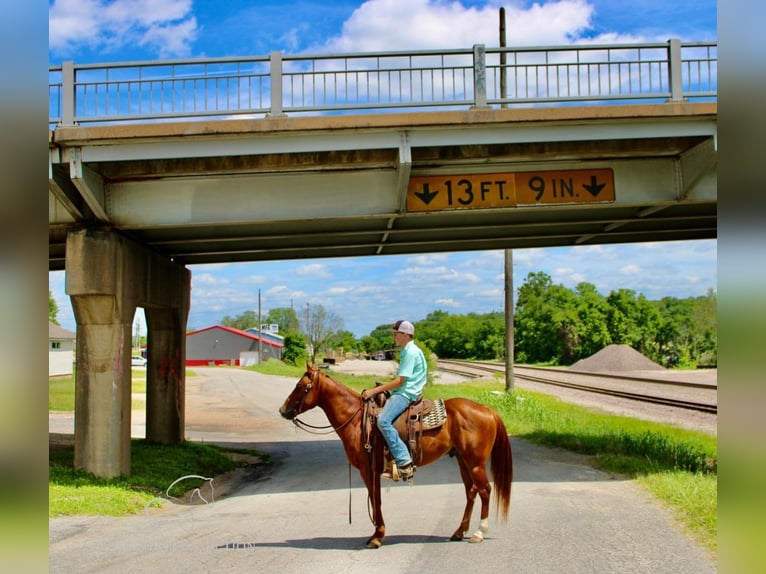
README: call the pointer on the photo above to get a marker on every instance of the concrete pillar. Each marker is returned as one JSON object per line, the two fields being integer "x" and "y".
{"x": 104, "y": 314}
{"x": 107, "y": 278}
{"x": 165, "y": 384}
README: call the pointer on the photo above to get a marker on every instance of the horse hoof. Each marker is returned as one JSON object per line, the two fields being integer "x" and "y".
{"x": 456, "y": 537}
{"x": 374, "y": 543}
{"x": 475, "y": 539}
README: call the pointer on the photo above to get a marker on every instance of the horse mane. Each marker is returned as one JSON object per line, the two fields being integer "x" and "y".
{"x": 322, "y": 373}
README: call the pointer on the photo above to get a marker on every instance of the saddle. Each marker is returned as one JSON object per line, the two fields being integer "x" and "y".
{"x": 421, "y": 415}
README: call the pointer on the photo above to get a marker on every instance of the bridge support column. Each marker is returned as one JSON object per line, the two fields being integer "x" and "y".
{"x": 166, "y": 388}
{"x": 107, "y": 278}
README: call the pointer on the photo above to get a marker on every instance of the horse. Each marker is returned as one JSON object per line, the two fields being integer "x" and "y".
{"x": 473, "y": 433}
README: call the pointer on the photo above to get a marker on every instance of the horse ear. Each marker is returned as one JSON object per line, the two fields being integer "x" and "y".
{"x": 308, "y": 367}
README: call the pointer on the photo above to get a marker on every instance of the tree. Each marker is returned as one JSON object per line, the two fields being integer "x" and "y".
{"x": 634, "y": 321}
{"x": 490, "y": 336}
{"x": 294, "y": 351}
{"x": 246, "y": 320}
{"x": 592, "y": 329}
{"x": 53, "y": 309}
{"x": 544, "y": 321}
{"x": 344, "y": 339}
{"x": 318, "y": 327}
{"x": 285, "y": 317}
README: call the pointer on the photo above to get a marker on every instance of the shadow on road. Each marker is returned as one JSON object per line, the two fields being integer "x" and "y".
{"x": 334, "y": 542}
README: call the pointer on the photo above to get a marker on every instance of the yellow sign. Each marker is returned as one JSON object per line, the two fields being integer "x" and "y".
{"x": 437, "y": 192}
{"x": 570, "y": 186}
{"x": 492, "y": 190}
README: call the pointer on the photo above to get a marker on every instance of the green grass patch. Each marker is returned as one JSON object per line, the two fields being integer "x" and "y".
{"x": 692, "y": 498}
{"x": 154, "y": 468}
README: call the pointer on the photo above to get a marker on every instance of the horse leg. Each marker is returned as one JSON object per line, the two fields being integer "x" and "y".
{"x": 372, "y": 481}
{"x": 481, "y": 484}
{"x": 470, "y": 496}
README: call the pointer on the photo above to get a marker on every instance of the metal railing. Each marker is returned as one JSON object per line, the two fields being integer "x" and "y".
{"x": 280, "y": 84}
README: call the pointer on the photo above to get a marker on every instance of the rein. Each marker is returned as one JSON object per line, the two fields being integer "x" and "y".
{"x": 307, "y": 427}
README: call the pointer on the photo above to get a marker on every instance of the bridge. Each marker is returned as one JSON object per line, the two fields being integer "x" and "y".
{"x": 159, "y": 165}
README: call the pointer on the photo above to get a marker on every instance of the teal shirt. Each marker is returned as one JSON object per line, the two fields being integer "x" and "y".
{"x": 412, "y": 367}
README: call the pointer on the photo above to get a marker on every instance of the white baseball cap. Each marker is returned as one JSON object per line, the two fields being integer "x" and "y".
{"x": 404, "y": 327}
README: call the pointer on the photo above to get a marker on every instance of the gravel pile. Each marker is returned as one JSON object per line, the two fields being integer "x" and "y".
{"x": 617, "y": 358}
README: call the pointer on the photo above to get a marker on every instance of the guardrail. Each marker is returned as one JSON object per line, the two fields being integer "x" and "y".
{"x": 280, "y": 84}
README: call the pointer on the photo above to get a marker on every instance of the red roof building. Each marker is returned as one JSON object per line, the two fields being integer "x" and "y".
{"x": 219, "y": 345}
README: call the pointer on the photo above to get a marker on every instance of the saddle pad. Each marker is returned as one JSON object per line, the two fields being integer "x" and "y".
{"x": 436, "y": 417}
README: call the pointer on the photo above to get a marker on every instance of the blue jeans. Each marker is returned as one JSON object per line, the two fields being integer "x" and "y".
{"x": 395, "y": 405}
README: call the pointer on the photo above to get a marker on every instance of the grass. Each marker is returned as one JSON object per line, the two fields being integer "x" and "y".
{"x": 154, "y": 467}
{"x": 677, "y": 466}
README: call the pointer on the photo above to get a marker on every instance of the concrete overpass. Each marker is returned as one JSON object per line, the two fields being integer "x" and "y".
{"x": 130, "y": 205}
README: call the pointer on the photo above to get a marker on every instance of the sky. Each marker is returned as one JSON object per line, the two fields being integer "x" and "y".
{"x": 374, "y": 291}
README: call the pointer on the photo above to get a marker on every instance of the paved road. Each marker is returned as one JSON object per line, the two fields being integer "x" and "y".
{"x": 565, "y": 515}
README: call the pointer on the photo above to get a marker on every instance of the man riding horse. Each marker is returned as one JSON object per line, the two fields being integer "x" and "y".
{"x": 405, "y": 389}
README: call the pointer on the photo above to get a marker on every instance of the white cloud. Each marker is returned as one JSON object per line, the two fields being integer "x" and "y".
{"x": 209, "y": 279}
{"x": 166, "y": 27}
{"x": 313, "y": 270}
{"x": 447, "y": 302}
{"x": 491, "y": 293}
{"x": 282, "y": 291}
{"x": 630, "y": 269}
{"x": 427, "y": 258}
{"x": 380, "y": 25}
{"x": 439, "y": 273}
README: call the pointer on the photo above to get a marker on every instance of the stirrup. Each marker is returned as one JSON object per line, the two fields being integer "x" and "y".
{"x": 390, "y": 471}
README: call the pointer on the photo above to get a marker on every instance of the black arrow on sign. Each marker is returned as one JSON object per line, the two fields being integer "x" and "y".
{"x": 426, "y": 196}
{"x": 594, "y": 188}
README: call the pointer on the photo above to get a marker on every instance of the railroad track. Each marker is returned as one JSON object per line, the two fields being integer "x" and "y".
{"x": 644, "y": 389}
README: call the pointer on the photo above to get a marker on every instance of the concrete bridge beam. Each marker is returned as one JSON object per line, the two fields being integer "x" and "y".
{"x": 108, "y": 277}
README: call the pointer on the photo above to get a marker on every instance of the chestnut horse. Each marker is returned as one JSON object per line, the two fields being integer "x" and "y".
{"x": 472, "y": 433}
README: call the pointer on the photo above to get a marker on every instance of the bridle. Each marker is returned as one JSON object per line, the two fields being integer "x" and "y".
{"x": 312, "y": 428}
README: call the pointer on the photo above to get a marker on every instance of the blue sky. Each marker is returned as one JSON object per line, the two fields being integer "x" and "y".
{"x": 367, "y": 292}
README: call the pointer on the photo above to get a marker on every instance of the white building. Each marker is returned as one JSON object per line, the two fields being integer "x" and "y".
{"x": 60, "y": 350}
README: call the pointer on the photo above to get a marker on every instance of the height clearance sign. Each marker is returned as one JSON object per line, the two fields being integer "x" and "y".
{"x": 493, "y": 190}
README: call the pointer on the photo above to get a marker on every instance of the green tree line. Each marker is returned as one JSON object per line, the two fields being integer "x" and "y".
{"x": 552, "y": 325}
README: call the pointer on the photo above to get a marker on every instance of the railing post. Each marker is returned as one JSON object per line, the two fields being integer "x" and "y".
{"x": 67, "y": 93}
{"x": 275, "y": 71}
{"x": 675, "y": 77}
{"x": 479, "y": 76}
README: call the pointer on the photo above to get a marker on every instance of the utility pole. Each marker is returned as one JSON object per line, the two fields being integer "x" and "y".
{"x": 503, "y": 72}
{"x": 509, "y": 319}
{"x": 508, "y": 252}
{"x": 260, "y": 330}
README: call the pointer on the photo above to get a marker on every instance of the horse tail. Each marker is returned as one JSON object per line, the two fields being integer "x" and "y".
{"x": 502, "y": 468}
